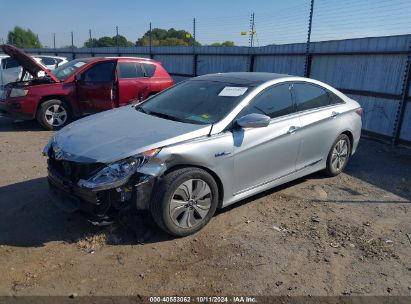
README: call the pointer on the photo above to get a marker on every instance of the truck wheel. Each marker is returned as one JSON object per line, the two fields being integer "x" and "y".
{"x": 53, "y": 114}
{"x": 185, "y": 201}
{"x": 338, "y": 156}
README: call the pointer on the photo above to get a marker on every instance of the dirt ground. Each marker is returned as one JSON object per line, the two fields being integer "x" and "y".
{"x": 316, "y": 236}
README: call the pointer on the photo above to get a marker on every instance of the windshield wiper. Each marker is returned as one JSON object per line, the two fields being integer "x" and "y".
{"x": 166, "y": 116}
{"x": 142, "y": 110}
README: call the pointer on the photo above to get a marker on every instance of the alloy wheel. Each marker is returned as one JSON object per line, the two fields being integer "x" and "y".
{"x": 56, "y": 115}
{"x": 340, "y": 155}
{"x": 190, "y": 203}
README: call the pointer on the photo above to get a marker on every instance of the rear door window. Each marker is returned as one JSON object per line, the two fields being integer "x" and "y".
{"x": 101, "y": 72}
{"x": 275, "y": 101}
{"x": 310, "y": 96}
{"x": 334, "y": 99}
{"x": 128, "y": 70}
{"x": 150, "y": 69}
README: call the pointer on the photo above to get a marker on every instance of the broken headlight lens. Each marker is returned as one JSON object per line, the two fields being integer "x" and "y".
{"x": 117, "y": 173}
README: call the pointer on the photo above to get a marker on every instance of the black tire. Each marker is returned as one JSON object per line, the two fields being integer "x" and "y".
{"x": 332, "y": 169}
{"x": 43, "y": 114}
{"x": 165, "y": 192}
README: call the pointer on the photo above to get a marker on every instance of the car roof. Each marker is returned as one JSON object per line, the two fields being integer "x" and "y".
{"x": 243, "y": 78}
{"x": 48, "y": 56}
{"x": 138, "y": 58}
{"x": 90, "y": 59}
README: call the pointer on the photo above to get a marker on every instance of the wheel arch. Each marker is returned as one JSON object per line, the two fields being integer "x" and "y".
{"x": 211, "y": 172}
{"x": 350, "y": 137}
{"x": 59, "y": 97}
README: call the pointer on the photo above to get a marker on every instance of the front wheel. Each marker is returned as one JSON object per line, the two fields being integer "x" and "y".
{"x": 185, "y": 201}
{"x": 53, "y": 114}
{"x": 338, "y": 156}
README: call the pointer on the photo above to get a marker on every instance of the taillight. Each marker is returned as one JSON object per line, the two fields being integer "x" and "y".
{"x": 359, "y": 111}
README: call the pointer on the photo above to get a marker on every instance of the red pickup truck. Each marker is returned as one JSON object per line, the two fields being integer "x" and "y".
{"x": 80, "y": 87}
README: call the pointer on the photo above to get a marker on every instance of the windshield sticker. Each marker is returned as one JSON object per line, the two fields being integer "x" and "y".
{"x": 201, "y": 118}
{"x": 232, "y": 91}
{"x": 79, "y": 64}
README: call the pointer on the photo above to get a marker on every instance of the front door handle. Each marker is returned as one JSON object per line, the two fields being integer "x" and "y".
{"x": 292, "y": 129}
{"x": 334, "y": 114}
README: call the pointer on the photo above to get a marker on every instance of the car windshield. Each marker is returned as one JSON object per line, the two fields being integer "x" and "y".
{"x": 66, "y": 70}
{"x": 196, "y": 101}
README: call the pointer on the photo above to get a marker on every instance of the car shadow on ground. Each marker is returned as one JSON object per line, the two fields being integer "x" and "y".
{"x": 10, "y": 125}
{"x": 28, "y": 218}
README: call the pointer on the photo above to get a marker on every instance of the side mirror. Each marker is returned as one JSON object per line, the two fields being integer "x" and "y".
{"x": 254, "y": 120}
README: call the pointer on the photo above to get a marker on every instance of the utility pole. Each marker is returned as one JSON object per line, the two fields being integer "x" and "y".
{"x": 90, "y": 39}
{"x": 251, "y": 44}
{"x": 252, "y": 31}
{"x": 118, "y": 51}
{"x": 194, "y": 49}
{"x": 73, "y": 55}
{"x": 54, "y": 40}
{"x": 307, "y": 66}
{"x": 150, "y": 42}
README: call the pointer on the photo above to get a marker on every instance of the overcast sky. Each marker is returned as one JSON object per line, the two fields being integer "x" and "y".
{"x": 217, "y": 20}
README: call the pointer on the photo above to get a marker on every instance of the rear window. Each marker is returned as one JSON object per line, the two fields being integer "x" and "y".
{"x": 129, "y": 70}
{"x": 150, "y": 69}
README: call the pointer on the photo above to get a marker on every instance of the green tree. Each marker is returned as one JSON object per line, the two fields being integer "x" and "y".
{"x": 68, "y": 46}
{"x": 23, "y": 38}
{"x": 225, "y": 43}
{"x": 106, "y": 41}
{"x": 167, "y": 37}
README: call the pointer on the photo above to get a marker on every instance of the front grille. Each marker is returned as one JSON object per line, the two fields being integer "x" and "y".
{"x": 74, "y": 171}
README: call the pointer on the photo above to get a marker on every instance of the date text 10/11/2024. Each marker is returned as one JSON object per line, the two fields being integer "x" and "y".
{"x": 203, "y": 299}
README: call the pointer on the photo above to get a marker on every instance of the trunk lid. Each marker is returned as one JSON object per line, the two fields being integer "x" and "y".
{"x": 27, "y": 62}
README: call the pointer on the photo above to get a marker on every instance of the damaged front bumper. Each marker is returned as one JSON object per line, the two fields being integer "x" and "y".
{"x": 101, "y": 207}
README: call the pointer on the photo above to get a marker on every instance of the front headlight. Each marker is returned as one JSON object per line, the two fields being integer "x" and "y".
{"x": 116, "y": 174}
{"x": 18, "y": 92}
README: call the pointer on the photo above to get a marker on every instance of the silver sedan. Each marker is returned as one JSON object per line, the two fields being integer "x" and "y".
{"x": 203, "y": 144}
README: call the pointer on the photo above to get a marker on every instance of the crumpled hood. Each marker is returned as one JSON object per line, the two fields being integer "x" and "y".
{"x": 120, "y": 133}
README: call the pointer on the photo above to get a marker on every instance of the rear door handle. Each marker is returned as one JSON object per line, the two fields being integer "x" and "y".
{"x": 292, "y": 129}
{"x": 334, "y": 114}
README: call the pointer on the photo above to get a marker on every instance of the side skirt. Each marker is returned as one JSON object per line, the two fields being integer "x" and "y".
{"x": 311, "y": 168}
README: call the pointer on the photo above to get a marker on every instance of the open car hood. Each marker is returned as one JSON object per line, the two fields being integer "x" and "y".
{"x": 27, "y": 62}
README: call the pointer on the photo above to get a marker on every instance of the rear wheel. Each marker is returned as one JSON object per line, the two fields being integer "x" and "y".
{"x": 338, "y": 156}
{"x": 185, "y": 201}
{"x": 53, "y": 114}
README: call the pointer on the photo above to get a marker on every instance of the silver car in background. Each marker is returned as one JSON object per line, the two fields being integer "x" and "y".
{"x": 203, "y": 144}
